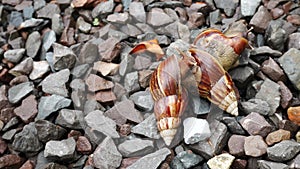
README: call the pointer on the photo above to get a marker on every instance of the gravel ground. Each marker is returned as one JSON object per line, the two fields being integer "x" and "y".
{"x": 74, "y": 95}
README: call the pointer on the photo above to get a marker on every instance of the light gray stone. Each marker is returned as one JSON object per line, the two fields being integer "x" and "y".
{"x": 136, "y": 147}
{"x": 147, "y": 128}
{"x": 18, "y": 92}
{"x": 62, "y": 150}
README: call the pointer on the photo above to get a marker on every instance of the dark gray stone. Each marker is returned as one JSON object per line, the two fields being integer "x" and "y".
{"x": 143, "y": 100}
{"x": 60, "y": 150}
{"x": 276, "y": 35}
{"x": 263, "y": 164}
{"x": 256, "y": 124}
{"x": 18, "y": 92}
{"x": 70, "y": 118}
{"x": 14, "y": 55}
{"x": 147, "y": 128}
{"x": 56, "y": 83}
{"x": 126, "y": 64}
{"x": 47, "y": 131}
{"x": 151, "y": 161}
{"x": 50, "y": 104}
{"x": 163, "y": 4}
{"x": 80, "y": 70}
{"x": 33, "y": 44}
{"x": 137, "y": 11}
{"x": 11, "y": 123}
{"x": 242, "y": 76}
{"x": 136, "y": 147}
{"x": 27, "y": 141}
{"x": 233, "y": 125}
{"x": 106, "y": 155}
{"x": 255, "y": 105}
{"x": 63, "y": 57}
{"x": 265, "y": 50}
{"x": 290, "y": 63}
{"x": 283, "y": 151}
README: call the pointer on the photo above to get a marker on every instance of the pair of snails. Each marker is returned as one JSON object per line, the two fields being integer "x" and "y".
{"x": 201, "y": 70}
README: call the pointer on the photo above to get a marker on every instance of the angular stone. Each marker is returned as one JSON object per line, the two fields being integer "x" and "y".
{"x": 50, "y": 104}
{"x": 263, "y": 164}
{"x": 261, "y": 19}
{"x": 293, "y": 114}
{"x": 40, "y": 68}
{"x": 18, "y": 92}
{"x": 33, "y": 44}
{"x": 295, "y": 163}
{"x": 233, "y": 125}
{"x": 151, "y": 161}
{"x": 290, "y": 63}
{"x": 80, "y": 70}
{"x": 105, "y": 96}
{"x": 285, "y": 94}
{"x": 103, "y": 8}
{"x": 278, "y": 136}
{"x": 59, "y": 87}
{"x": 109, "y": 49}
{"x": 147, "y": 128}
{"x": 49, "y": 38}
{"x": 48, "y": 11}
{"x": 248, "y": 8}
{"x": 88, "y": 53}
{"x": 276, "y": 35}
{"x": 83, "y": 145}
{"x": 265, "y": 50}
{"x": 236, "y": 145}
{"x": 242, "y": 75}
{"x": 270, "y": 93}
{"x": 10, "y": 161}
{"x": 8, "y": 135}
{"x": 14, "y": 55}
{"x": 18, "y": 80}
{"x": 141, "y": 62}
{"x": 98, "y": 122}
{"x": 158, "y": 13}
{"x": 106, "y": 68}
{"x": 277, "y": 13}
{"x": 186, "y": 159}
{"x": 272, "y": 69}
{"x": 131, "y": 82}
{"x": 195, "y": 130}
{"x": 222, "y": 161}
{"x": 27, "y": 141}
{"x": 63, "y": 57}
{"x": 256, "y": 105}
{"x": 29, "y": 23}
{"x": 137, "y": 11}
{"x": 294, "y": 41}
{"x": 96, "y": 83}
{"x": 23, "y": 68}
{"x": 118, "y": 18}
{"x": 216, "y": 142}
{"x": 106, "y": 155}
{"x": 47, "y": 131}
{"x": 124, "y": 110}
{"x": 136, "y": 147}
{"x": 60, "y": 150}
{"x": 255, "y": 124}
{"x": 15, "y": 18}
{"x": 255, "y": 146}
{"x": 142, "y": 100}
{"x": 177, "y": 45}
{"x": 144, "y": 77}
{"x": 72, "y": 119}
{"x": 82, "y": 25}
{"x": 283, "y": 151}
{"x": 57, "y": 24}
{"x": 28, "y": 109}
{"x": 29, "y": 164}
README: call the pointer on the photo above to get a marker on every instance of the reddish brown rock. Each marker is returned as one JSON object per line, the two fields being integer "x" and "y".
{"x": 278, "y": 136}
{"x": 256, "y": 124}
{"x": 10, "y": 160}
{"x": 261, "y": 19}
{"x": 74, "y": 133}
{"x": 83, "y": 145}
{"x": 285, "y": 94}
{"x": 294, "y": 114}
{"x": 294, "y": 19}
{"x": 109, "y": 49}
{"x": 144, "y": 77}
{"x": 105, "y": 96}
{"x": 28, "y": 109}
{"x": 273, "y": 70}
{"x": 239, "y": 164}
{"x": 7, "y": 114}
{"x": 106, "y": 68}
{"x": 236, "y": 145}
{"x": 3, "y": 146}
{"x": 29, "y": 164}
{"x": 125, "y": 129}
{"x": 4, "y": 103}
{"x": 276, "y": 13}
{"x": 255, "y": 146}
{"x": 96, "y": 83}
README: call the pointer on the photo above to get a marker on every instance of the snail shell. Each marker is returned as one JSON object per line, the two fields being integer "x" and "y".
{"x": 216, "y": 84}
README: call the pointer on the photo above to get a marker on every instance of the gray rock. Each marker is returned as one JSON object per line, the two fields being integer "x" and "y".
{"x": 229, "y": 6}
{"x": 233, "y": 125}
{"x": 236, "y": 145}
{"x": 103, "y": 8}
{"x": 106, "y": 155}
{"x": 33, "y": 44}
{"x": 80, "y": 70}
{"x": 265, "y": 50}
{"x": 49, "y": 39}
{"x": 98, "y": 122}
{"x": 88, "y": 53}
{"x": 294, "y": 40}
{"x": 136, "y": 147}
{"x": 23, "y": 68}
{"x": 158, "y": 13}
{"x": 222, "y": 161}
{"x": 263, "y": 164}
{"x": 164, "y": 4}
{"x": 176, "y": 164}
{"x": 242, "y": 75}
{"x": 273, "y": 70}
{"x": 18, "y": 92}
{"x": 47, "y": 131}
{"x": 50, "y": 104}
{"x": 290, "y": 63}
{"x": 131, "y": 82}
{"x": 118, "y": 18}
{"x": 8, "y": 135}
{"x": 151, "y": 161}
{"x": 147, "y": 128}
{"x": 15, "y": 18}
{"x": 195, "y": 130}
{"x": 63, "y": 57}
{"x": 283, "y": 151}
{"x": 96, "y": 83}
{"x": 57, "y": 24}
{"x": 186, "y": 159}
{"x": 137, "y": 11}
{"x": 256, "y": 124}
{"x": 177, "y": 45}
{"x": 261, "y": 19}
{"x": 141, "y": 62}
{"x": 126, "y": 65}
{"x": 276, "y": 35}
{"x": 14, "y": 55}
{"x": 77, "y": 84}
{"x": 143, "y": 100}
{"x": 118, "y": 35}
{"x": 27, "y": 141}
{"x": 56, "y": 83}
{"x": 255, "y": 146}
{"x": 82, "y": 25}
{"x": 70, "y": 118}
{"x": 215, "y": 143}
{"x": 60, "y": 150}
{"x": 255, "y": 105}
{"x": 248, "y": 8}
{"x": 215, "y": 17}
{"x": 183, "y": 32}
{"x": 270, "y": 93}
{"x": 39, "y": 69}
{"x": 295, "y": 163}
{"x": 201, "y": 106}
{"x": 48, "y": 11}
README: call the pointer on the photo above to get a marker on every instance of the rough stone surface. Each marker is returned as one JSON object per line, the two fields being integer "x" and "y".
{"x": 39, "y": 69}
{"x": 106, "y": 155}
{"x": 96, "y": 83}
{"x": 14, "y": 55}
{"x": 286, "y": 95}
{"x": 48, "y": 131}
{"x": 236, "y": 145}
{"x": 293, "y": 41}
{"x": 10, "y": 160}
{"x": 137, "y": 11}
{"x": 261, "y": 19}
{"x": 56, "y": 83}
{"x": 256, "y": 105}
{"x": 186, "y": 159}
{"x": 255, "y": 124}
{"x": 248, "y": 8}
{"x": 278, "y": 136}
{"x": 136, "y": 147}
{"x": 147, "y": 128}
{"x": 131, "y": 82}
{"x": 151, "y": 161}
{"x": 195, "y": 130}
{"x": 23, "y": 68}
{"x": 143, "y": 100}
{"x": 28, "y": 109}
{"x": 255, "y": 146}
{"x": 72, "y": 119}
{"x": 63, "y": 149}
{"x": 233, "y": 125}
{"x": 33, "y": 44}
{"x": 63, "y": 57}
{"x": 263, "y": 164}
{"x": 285, "y": 150}
{"x": 222, "y": 161}
{"x": 158, "y": 13}
{"x": 18, "y": 92}
{"x": 272, "y": 69}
